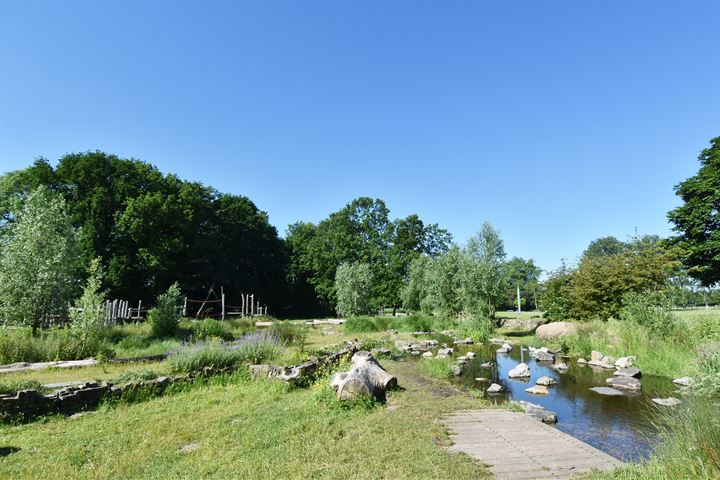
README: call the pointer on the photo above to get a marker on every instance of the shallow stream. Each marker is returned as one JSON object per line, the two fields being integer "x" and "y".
{"x": 621, "y": 426}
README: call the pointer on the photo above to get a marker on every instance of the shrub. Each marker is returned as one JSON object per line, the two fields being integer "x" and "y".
{"x": 89, "y": 317}
{"x": 291, "y": 334}
{"x": 708, "y": 379}
{"x": 477, "y": 327}
{"x": 165, "y": 317}
{"x": 209, "y": 328}
{"x": 353, "y": 288}
{"x": 19, "y": 346}
{"x": 650, "y": 309}
{"x": 360, "y": 325}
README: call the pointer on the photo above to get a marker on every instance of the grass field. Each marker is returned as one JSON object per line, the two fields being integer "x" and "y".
{"x": 250, "y": 429}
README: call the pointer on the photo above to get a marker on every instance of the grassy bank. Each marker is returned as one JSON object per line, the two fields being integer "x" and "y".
{"x": 249, "y": 429}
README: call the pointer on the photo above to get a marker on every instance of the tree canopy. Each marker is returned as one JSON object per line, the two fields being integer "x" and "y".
{"x": 697, "y": 221}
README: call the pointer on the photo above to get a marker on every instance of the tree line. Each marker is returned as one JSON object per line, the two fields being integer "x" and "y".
{"x": 148, "y": 230}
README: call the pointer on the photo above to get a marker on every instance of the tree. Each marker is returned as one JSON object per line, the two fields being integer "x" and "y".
{"x": 602, "y": 247}
{"x": 697, "y": 221}
{"x": 353, "y": 286}
{"x": 554, "y": 295}
{"x": 90, "y": 315}
{"x": 525, "y": 275}
{"x": 483, "y": 273}
{"x": 164, "y": 318}
{"x": 37, "y": 261}
{"x": 599, "y": 284}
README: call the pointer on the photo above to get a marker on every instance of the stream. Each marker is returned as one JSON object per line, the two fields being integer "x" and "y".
{"x": 621, "y": 426}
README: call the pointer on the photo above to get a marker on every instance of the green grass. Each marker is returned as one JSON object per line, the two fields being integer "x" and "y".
{"x": 690, "y": 446}
{"x": 247, "y": 429}
{"x": 437, "y": 367}
{"x": 409, "y": 323}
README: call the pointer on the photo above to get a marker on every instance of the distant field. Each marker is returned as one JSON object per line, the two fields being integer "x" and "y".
{"x": 690, "y": 314}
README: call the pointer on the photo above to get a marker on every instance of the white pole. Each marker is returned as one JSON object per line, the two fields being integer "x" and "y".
{"x": 518, "y": 295}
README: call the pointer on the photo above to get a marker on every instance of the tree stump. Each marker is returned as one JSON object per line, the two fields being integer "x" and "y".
{"x": 365, "y": 378}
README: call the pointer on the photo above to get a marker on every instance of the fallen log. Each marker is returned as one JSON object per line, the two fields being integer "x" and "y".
{"x": 365, "y": 378}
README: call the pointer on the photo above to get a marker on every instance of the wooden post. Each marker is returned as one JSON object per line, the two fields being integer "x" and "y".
{"x": 252, "y": 304}
{"x": 184, "y": 314}
{"x": 242, "y": 305}
{"x": 139, "y": 312}
{"x": 222, "y": 302}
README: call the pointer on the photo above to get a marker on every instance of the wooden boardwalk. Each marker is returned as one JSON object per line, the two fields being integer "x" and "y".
{"x": 516, "y": 446}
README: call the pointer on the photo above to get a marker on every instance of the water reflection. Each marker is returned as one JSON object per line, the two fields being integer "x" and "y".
{"x": 621, "y": 426}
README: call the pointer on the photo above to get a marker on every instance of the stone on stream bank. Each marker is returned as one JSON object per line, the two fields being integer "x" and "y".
{"x": 683, "y": 381}
{"x": 445, "y": 353}
{"x": 624, "y": 362}
{"x": 494, "y": 388}
{"x": 506, "y": 347}
{"x": 555, "y": 329}
{"x": 465, "y": 341}
{"x": 667, "y": 402}
{"x": 597, "y": 359}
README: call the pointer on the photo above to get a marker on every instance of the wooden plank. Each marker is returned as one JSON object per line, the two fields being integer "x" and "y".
{"x": 517, "y": 446}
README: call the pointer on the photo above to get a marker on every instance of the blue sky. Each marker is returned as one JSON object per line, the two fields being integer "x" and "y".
{"x": 557, "y": 121}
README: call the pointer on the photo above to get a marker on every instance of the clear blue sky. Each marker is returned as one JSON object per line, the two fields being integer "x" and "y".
{"x": 557, "y": 121}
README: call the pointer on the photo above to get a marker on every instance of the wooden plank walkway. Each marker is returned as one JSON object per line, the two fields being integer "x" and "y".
{"x": 516, "y": 446}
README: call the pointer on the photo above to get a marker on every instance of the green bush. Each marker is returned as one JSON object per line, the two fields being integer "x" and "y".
{"x": 708, "y": 379}
{"x": 165, "y": 317}
{"x": 651, "y": 310}
{"x": 477, "y": 327}
{"x": 437, "y": 367}
{"x": 211, "y": 328}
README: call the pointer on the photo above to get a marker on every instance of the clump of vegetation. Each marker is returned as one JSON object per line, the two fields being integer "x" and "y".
{"x": 211, "y": 328}
{"x": 411, "y": 323}
{"x": 291, "y": 334}
{"x": 253, "y": 348}
{"x": 437, "y": 367}
{"x": 135, "y": 376}
{"x": 18, "y": 345}
{"x": 651, "y": 310}
{"x": 89, "y": 317}
{"x": 165, "y": 317}
{"x": 708, "y": 378}
{"x": 13, "y": 386}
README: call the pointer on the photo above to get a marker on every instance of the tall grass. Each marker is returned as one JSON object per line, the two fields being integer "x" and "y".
{"x": 689, "y": 448}
{"x": 252, "y": 348}
{"x": 410, "y": 323}
{"x": 437, "y": 367}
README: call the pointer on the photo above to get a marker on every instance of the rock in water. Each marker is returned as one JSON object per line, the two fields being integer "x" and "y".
{"x": 506, "y": 347}
{"x": 628, "y": 372}
{"x": 667, "y": 402}
{"x": 562, "y": 367}
{"x": 555, "y": 329}
{"x": 538, "y": 412}
{"x": 486, "y": 365}
{"x": 624, "y": 383}
{"x": 581, "y": 361}
{"x": 520, "y": 371}
{"x": 545, "y": 381}
{"x": 624, "y": 362}
{"x": 445, "y": 353}
{"x": 470, "y": 354}
{"x": 427, "y": 355}
{"x": 365, "y": 378}
{"x": 683, "y": 381}
{"x": 607, "y": 391}
{"x": 538, "y": 390}
{"x": 465, "y": 341}
{"x": 482, "y": 379}
{"x": 494, "y": 388}
{"x": 541, "y": 356}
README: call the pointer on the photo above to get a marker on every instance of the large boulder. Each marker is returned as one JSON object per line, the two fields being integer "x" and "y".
{"x": 525, "y": 325}
{"x": 555, "y": 329}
